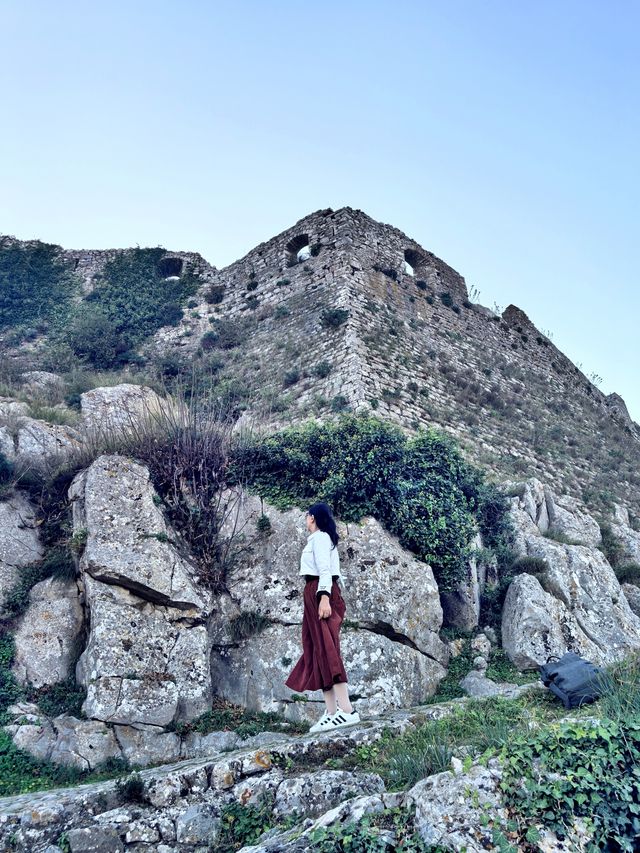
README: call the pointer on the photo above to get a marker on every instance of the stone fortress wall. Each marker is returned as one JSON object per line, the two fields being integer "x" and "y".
{"x": 414, "y": 350}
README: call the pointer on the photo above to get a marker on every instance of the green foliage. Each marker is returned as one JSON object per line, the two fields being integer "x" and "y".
{"x": 339, "y": 403}
{"x": 132, "y": 789}
{"x": 6, "y": 475}
{"x": 562, "y": 538}
{"x": 501, "y": 669}
{"x": 66, "y": 697}
{"x": 226, "y": 334}
{"x": 263, "y": 524}
{"x": 587, "y": 770}
{"x": 628, "y": 573}
{"x": 247, "y": 625}
{"x": 529, "y": 565}
{"x": 35, "y": 283}
{"x": 331, "y": 318}
{"x": 446, "y": 299}
{"x": 610, "y": 546}
{"x": 215, "y": 294}
{"x": 130, "y": 301}
{"x": 322, "y": 369}
{"x": 21, "y": 773}
{"x": 242, "y": 825}
{"x": 380, "y": 832}
{"x": 419, "y": 488}
{"x": 10, "y": 690}
{"x": 57, "y": 562}
{"x": 291, "y": 377}
{"x": 459, "y": 666}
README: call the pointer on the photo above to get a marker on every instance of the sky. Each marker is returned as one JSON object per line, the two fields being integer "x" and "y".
{"x": 502, "y": 136}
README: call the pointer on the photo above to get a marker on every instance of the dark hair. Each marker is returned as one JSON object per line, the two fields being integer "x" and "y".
{"x": 325, "y": 520}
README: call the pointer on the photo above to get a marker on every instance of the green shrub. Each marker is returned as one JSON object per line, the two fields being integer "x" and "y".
{"x": 229, "y": 334}
{"x": 208, "y": 341}
{"x": 132, "y": 790}
{"x": 225, "y": 716}
{"x": 629, "y": 573}
{"x": 215, "y": 294}
{"x": 247, "y": 625}
{"x": 446, "y": 299}
{"x": 331, "y": 318}
{"x": 130, "y": 301}
{"x": 252, "y": 285}
{"x": 322, "y": 369}
{"x": 6, "y": 475}
{"x": 66, "y": 697}
{"x": 281, "y": 312}
{"x": 291, "y": 377}
{"x": 380, "y": 832}
{"x": 610, "y": 546}
{"x": 35, "y": 283}
{"x": 422, "y": 285}
{"x": 10, "y": 690}
{"x": 339, "y": 403}
{"x": 529, "y": 565}
{"x": 263, "y": 524}
{"x": 419, "y": 488}
{"x": 57, "y": 562}
{"x": 283, "y": 282}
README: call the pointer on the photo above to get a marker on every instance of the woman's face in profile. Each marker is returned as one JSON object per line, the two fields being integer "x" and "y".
{"x": 310, "y": 521}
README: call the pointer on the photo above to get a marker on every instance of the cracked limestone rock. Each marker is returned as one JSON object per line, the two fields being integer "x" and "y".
{"x": 147, "y": 657}
{"x": 576, "y": 604}
{"x": 382, "y": 673}
{"x": 19, "y": 542}
{"x": 48, "y": 632}
{"x": 118, "y": 407}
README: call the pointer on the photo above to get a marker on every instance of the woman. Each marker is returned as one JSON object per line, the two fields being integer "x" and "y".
{"x": 320, "y": 666}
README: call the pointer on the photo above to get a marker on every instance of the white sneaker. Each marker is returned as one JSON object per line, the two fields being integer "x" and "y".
{"x": 341, "y": 719}
{"x": 322, "y": 724}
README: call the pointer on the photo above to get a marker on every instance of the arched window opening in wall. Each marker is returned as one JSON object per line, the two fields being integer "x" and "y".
{"x": 298, "y": 250}
{"x": 417, "y": 265}
{"x": 170, "y": 267}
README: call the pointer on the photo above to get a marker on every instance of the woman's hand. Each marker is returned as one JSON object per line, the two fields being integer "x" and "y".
{"x": 324, "y": 608}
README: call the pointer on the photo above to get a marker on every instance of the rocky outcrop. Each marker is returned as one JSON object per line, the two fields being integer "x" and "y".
{"x": 390, "y": 643}
{"x": 146, "y": 660}
{"x": 19, "y": 542}
{"x": 628, "y": 538}
{"x": 118, "y": 407}
{"x": 46, "y": 637}
{"x": 575, "y": 604}
{"x": 41, "y": 444}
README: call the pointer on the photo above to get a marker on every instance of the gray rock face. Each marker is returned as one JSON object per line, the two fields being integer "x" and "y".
{"x": 19, "y": 543}
{"x": 383, "y": 673}
{"x": 146, "y": 660}
{"x": 143, "y": 747}
{"x": 84, "y": 744}
{"x": 313, "y": 793}
{"x": 628, "y": 537}
{"x": 392, "y": 603}
{"x": 461, "y": 607}
{"x": 94, "y": 839}
{"x": 46, "y": 638}
{"x": 40, "y": 443}
{"x": 581, "y": 607}
{"x": 7, "y": 444}
{"x": 632, "y": 594}
{"x": 449, "y": 808}
{"x": 199, "y": 824}
{"x": 118, "y": 407}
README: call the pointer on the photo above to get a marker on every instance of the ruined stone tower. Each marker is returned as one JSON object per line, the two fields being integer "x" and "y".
{"x": 411, "y": 347}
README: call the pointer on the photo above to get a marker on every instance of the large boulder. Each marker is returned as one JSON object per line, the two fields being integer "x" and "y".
{"x": 41, "y": 444}
{"x": 393, "y": 612}
{"x": 19, "y": 542}
{"x": 47, "y": 635}
{"x": 576, "y": 604}
{"x": 84, "y": 744}
{"x": 383, "y": 674}
{"x": 628, "y": 538}
{"x": 147, "y": 656}
{"x": 119, "y": 407}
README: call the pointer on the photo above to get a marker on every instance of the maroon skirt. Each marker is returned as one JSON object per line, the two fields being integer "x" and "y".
{"x": 320, "y": 665}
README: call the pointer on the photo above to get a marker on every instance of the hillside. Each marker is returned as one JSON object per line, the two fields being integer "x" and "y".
{"x": 342, "y": 312}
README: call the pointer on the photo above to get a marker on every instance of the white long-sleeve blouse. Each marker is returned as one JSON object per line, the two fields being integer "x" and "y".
{"x": 320, "y": 557}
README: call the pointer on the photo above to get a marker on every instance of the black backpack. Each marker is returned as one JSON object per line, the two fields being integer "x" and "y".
{"x": 573, "y": 679}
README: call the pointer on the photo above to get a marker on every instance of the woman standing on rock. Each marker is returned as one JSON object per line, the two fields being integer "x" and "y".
{"x": 320, "y": 667}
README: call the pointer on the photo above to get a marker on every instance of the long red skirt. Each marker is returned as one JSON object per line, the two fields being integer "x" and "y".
{"x": 320, "y": 665}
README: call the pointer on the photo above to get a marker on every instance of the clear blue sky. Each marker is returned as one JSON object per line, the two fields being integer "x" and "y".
{"x": 503, "y": 136}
